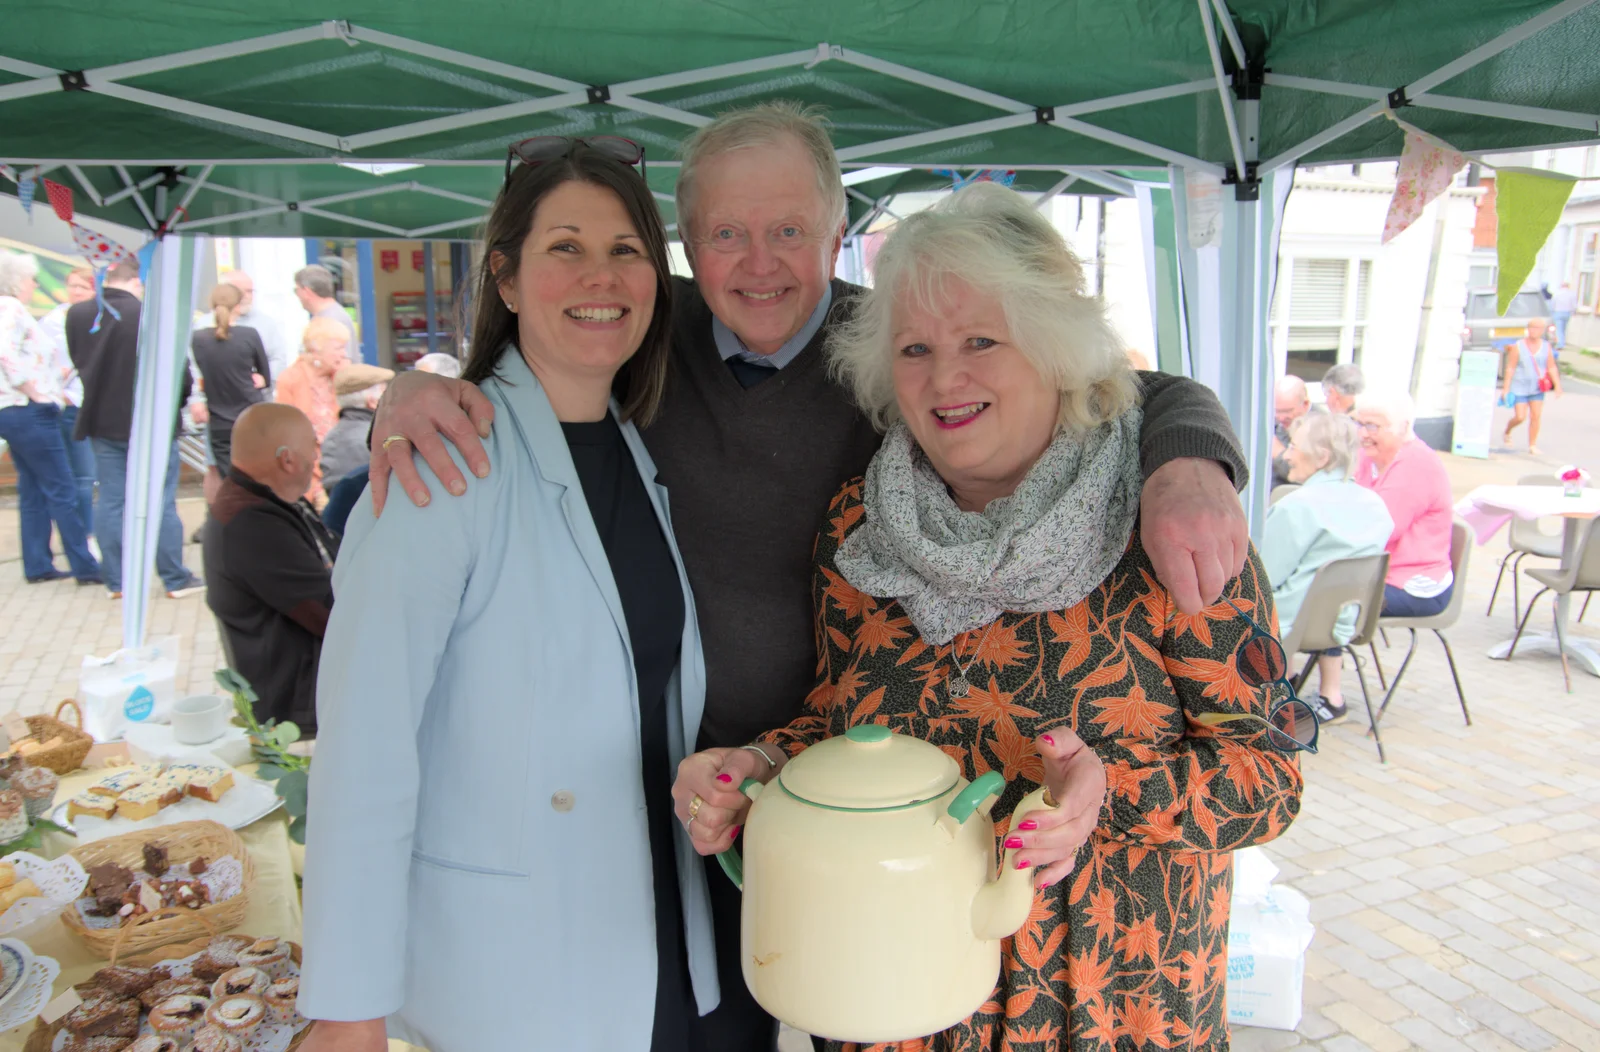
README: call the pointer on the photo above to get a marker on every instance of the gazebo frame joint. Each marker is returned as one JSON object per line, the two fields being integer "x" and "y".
{"x": 599, "y": 93}
{"x": 1044, "y": 114}
{"x": 1398, "y": 98}
{"x": 1248, "y": 188}
{"x": 1247, "y": 82}
{"x": 74, "y": 80}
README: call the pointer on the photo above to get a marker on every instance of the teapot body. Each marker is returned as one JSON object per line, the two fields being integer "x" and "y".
{"x": 857, "y": 925}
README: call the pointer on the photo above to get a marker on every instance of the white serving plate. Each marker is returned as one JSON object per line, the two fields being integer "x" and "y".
{"x": 250, "y": 800}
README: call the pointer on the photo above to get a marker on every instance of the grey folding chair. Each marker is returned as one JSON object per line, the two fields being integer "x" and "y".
{"x": 1582, "y": 576}
{"x": 1526, "y": 538}
{"x": 1335, "y": 586}
{"x": 1280, "y": 492}
{"x": 1460, "y": 554}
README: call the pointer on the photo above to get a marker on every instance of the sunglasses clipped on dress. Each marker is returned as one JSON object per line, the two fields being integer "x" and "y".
{"x": 1291, "y": 724}
{"x": 543, "y": 148}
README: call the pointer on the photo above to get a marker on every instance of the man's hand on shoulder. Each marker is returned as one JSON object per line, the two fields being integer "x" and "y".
{"x": 425, "y": 410}
{"x": 1194, "y": 530}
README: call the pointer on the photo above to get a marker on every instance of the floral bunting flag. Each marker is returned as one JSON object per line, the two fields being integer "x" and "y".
{"x": 1426, "y": 169}
{"x": 60, "y": 199}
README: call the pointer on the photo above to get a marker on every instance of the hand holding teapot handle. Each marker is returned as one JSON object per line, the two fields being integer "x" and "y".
{"x": 713, "y": 778}
{"x": 1076, "y": 779}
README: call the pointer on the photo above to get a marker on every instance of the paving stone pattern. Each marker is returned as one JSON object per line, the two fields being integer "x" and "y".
{"x": 1456, "y": 890}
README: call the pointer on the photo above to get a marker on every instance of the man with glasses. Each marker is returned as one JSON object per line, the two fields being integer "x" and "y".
{"x": 755, "y": 437}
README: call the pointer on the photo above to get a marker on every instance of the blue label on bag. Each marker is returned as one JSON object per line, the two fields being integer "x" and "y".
{"x": 139, "y": 704}
{"x": 1241, "y": 967}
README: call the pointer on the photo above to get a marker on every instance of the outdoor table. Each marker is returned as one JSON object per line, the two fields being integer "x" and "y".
{"x": 274, "y": 899}
{"x": 1488, "y": 508}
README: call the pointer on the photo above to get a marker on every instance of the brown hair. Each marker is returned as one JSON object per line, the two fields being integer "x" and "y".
{"x": 642, "y": 379}
{"x": 124, "y": 270}
{"x": 223, "y": 299}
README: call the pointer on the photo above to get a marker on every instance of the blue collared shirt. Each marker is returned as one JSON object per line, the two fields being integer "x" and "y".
{"x": 730, "y": 346}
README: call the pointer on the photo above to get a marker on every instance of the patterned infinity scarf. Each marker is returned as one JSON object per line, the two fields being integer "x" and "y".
{"x": 1045, "y": 547}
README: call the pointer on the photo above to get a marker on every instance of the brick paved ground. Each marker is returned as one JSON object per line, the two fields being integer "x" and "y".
{"x": 1456, "y": 891}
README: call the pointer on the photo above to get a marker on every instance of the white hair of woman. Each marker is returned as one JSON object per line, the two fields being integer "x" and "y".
{"x": 995, "y": 242}
{"x": 440, "y": 363}
{"x": 15, "y": 270}
{"x": 1329, "y": 439}
{"x": 1395, "y": 406}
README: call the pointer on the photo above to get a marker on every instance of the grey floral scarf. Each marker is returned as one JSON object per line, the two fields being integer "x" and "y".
{"x": 1045, "y": 547}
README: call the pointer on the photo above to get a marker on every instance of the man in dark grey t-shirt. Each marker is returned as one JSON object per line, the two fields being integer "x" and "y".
{"x": 313, "y": 287}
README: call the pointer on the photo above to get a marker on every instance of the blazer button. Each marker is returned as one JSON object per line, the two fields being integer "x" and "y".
{"x": 562, "y": 801}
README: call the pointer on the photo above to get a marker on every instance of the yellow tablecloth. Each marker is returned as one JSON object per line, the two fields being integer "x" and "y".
{"x": 274, "y": 899}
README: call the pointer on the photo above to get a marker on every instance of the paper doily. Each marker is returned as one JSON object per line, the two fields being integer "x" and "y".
{"x": 61, "y": 882}
{"x": 34, "y": 994}
{"x": 224, "y": 878}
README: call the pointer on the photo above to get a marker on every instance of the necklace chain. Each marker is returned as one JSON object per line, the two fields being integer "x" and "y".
{"x": 958, "y": 685}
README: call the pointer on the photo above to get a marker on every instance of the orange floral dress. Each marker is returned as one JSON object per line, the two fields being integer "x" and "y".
{"x": 1131, "y": 950}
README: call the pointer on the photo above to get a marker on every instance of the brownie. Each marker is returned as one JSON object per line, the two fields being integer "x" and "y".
{"x": 197, "y": 867}
{"x": 155, "y": 860}
{"x": 108, "y": 1016}
{"x": 129, "y": 982}
{"x": 169, "y": 987}
{"x": 108, "y": 884}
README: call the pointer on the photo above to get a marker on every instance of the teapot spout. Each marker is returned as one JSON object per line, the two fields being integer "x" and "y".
{"x": 1001, "y": 906}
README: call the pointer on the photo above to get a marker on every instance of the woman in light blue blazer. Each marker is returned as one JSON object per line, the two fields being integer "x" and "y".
{"x": 509, "y": 680}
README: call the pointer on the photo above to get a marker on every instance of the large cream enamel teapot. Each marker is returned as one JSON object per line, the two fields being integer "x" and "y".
{"x": 872, "y": 907}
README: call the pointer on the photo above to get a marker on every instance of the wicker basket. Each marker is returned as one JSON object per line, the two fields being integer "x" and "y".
{"x": 184, "y": 841}
{"x": 43, "y": 1034}
{"x": 75, "y": 745}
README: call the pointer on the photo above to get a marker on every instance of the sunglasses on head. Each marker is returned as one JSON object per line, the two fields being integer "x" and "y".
{"x": 1291, "y": 724}
{"x": 543, "y": 148}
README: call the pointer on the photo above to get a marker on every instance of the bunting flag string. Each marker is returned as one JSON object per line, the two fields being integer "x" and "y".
{"x": 60, "y": 199}
{"x": 102, "y": 253}
{"x": 983, "y": 175}
{"x": 1528, "y": 204}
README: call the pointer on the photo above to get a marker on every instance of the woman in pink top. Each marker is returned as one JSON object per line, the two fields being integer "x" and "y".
{"x": 1411, "y": 479}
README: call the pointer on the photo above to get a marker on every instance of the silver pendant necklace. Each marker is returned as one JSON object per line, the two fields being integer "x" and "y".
{"x": 957, "y": 685}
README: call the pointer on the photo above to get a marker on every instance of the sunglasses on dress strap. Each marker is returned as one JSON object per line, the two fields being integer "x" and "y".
{"x": 1291, "y": 724}
{"x": 543, "y": 148}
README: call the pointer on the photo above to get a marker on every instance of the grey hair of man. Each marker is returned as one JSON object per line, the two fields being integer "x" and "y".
{"x": 440, "y": 364}
{"x": 993, "y": 241}
{"x": 1292, "y": 386}
{"x": 315, "y": 279}
{"x": 1345, "y": 378}
{"x": 15, "y": 270}
{"x": 365, "y": 398}
{"x": 1397, "y": 407}
{"x": 1329, "y": 437}
{"x": 766, "y": 124}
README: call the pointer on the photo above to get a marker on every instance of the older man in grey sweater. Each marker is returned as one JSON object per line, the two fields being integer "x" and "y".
{"x": 754, "y": 438}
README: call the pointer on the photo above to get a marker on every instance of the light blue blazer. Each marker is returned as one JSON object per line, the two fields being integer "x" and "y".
{"x": 477, "y": 858}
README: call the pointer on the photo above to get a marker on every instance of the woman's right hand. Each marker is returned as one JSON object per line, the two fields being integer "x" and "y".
{"x": 369, "y": 1035}
{"x": 426, "y": 410}
{"x": 714, "y": 776}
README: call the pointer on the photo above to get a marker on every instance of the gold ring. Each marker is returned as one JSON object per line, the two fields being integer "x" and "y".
{"x": 393, "y": 439}
{"x": 695, "y": 804}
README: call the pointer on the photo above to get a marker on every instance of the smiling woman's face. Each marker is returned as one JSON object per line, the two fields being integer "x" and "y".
{"x": 974, "y": 402}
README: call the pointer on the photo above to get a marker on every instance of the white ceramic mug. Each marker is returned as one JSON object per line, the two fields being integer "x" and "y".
{"x": 200, "y": 719}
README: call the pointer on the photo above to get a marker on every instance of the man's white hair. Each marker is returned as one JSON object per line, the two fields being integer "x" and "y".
{"x": 15, "y": 269}
{"x": 440, "y": 364}
{"x": 358, "y": 399}
{"x": 767, "y": 124}
{"x": 1396, "y": 406}
{"x": 996, "y": 243}
{"x": 1292, "y": 386}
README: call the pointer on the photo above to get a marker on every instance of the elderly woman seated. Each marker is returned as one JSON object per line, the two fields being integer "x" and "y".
{"x": 1329, "y": 517}
{"x": 984, "y": 588}
{"x": 1399, "y": 467}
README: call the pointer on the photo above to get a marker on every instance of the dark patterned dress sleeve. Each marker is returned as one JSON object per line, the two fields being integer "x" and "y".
{"x": 1204, "y": 789}
{"x": 833, "y": 601}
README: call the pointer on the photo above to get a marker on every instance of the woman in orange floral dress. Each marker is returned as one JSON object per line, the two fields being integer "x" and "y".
{"x": 984, "y": 588}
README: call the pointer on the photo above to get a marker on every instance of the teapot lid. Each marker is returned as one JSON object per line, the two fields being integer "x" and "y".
{"x": 869, "y": 768}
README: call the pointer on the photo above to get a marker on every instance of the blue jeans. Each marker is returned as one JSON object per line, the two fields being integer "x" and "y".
{"x": 81, "y": 459}
{"x": 1561, "y": 318}
{"x": 1397, "y": 602}
{"x": 111, "y": 468}
{"x": 45, "y": 490}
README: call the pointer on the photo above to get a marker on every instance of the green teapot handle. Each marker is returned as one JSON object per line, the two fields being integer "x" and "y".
{"x": 967, "y": 800}
{"x": 729, "y": 860}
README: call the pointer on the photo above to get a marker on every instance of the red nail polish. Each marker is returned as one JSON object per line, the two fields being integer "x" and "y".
{"x": 735, "y": 832}
{"x": 1013, "y": 841}
{"x": 1029, "y": 824}
{"x": 1048, "y": 740}
{"x": 1023, "y": 863}
{"x": 725, "y": 778}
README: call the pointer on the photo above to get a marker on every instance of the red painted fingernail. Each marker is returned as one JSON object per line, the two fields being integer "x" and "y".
{"x": 724, "y": 777}
{"x": 1048, "y": 740}
{"x": 1013, "y": 841}
{"x": 1029, "y": 824}
{"x": 735, "y": 832}
{"x": 1023, "y": 863}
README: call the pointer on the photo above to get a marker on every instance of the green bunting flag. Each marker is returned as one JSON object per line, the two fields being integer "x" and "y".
{"x": 1528, "y": 203}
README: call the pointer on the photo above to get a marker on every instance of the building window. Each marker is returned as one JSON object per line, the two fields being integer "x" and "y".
{"x": 1325, "y": 319}
{"x": 1586, "y": 269}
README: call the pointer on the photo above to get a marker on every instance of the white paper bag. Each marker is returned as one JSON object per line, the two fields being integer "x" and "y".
{"x": 129, "y": 687}
{"x": 1268, "y": 936}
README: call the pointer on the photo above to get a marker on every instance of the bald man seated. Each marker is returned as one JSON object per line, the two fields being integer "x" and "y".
{"x": 269, "y": 562}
